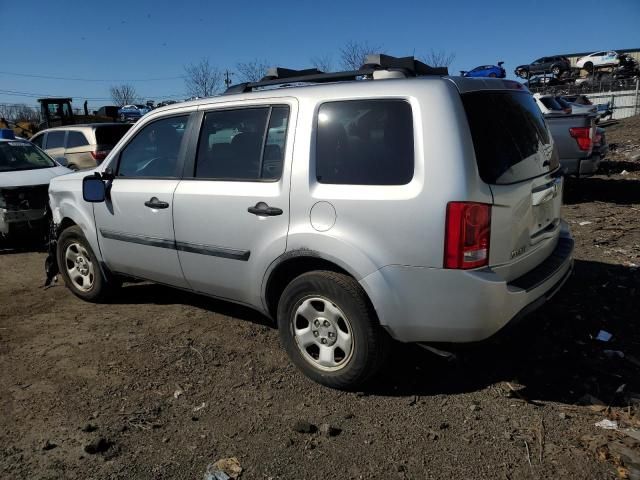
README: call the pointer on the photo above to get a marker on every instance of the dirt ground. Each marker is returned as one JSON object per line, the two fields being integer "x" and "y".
{"x": 160, "y": 384}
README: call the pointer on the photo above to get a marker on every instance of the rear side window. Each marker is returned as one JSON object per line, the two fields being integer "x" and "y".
{"x": 109, "y": 135}
{"x": 55, "y": 139}
{"x": 243, "y": 144}
{"x": 365, "y": 142}
{"x": 76, "y": 139}
{"x": 510, "y": 136}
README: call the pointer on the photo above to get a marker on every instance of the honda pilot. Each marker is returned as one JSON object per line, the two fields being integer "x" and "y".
{"x": 393, "y": 202}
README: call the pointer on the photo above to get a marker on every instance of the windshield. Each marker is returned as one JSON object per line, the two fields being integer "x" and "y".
{"x": 22, "y": 156}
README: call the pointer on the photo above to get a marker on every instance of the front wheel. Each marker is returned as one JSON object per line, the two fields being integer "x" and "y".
{"x": 330, "y": 331}
{"x": 555, "y": 70}
{"x": 80, "y": 268}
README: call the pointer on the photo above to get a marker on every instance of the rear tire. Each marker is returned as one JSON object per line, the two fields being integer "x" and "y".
{"x": 492, "y": 75}
{"x": 330, "y": 331}
{"x": 80, "y": 268}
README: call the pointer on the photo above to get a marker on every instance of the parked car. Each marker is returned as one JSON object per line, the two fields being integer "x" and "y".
{"x": 598, "y": 59}
{"x": 405, "y": 212}
{"x": 575, "y": 137}
{"x": 25, "y": 172}
{"x": 493, "y": 71}
{"x": 555, "y": 65}
{"x": 549, "y": 104}
{"x": 132, "y": 112}
{"x": 80, "y": 146}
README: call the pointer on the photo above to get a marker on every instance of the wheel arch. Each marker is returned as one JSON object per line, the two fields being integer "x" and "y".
{"x": 291, "y": 265}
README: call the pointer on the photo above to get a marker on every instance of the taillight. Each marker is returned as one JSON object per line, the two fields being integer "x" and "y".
{"x": 582, "y": 136}
{"x": 100, "y": 155}
{"x": 466, "y": 241}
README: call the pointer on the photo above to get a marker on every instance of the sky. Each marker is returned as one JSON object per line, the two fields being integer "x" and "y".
{"x": 96, "y": 44}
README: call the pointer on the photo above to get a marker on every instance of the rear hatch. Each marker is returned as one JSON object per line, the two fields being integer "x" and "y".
{"x": 516, "y": 157}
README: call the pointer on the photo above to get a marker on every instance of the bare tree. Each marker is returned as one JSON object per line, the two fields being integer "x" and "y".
{"x": 19, "y": 113}
{"x": 124, "y": 94}
{"x": 438, "y": 58}
{"x": 252, "y": 71}
{"x": 354, "y": 54}
{"x": 323, "y": 63}
{"x": 202, "y": 79}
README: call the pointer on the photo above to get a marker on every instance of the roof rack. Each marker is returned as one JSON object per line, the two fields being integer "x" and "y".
{"x": 375, "y": 66}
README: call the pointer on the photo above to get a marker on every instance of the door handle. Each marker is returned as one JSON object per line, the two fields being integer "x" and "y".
{"x": 153, "y": 202}
{"x": 263, "y": 210}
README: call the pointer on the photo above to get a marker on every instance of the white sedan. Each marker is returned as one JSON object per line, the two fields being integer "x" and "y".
{"x": 598, "y": 59}
{"x": 25, "y": 172}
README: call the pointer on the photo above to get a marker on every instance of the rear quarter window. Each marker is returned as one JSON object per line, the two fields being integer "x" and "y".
{"x": 510, "y": 137}
{"x": 76, "y": 139}
{"x": 365, "y": 142}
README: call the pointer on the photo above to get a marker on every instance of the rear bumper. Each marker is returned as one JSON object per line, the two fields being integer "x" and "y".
{"x": 419, "y": 304}
{"x": 582, "y": 166}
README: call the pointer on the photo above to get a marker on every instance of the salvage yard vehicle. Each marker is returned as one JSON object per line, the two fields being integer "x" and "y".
{"x": 555, "y": 65}
{"x": 80, "y": 146}
{"x": 575, "y": 136}
{"x": 404, "y": 211}
{"x": 131, "y": 113}
{"x": 25, "y": 172}
{"x": 598, "y": 59}
{"x": 492, "y": 71}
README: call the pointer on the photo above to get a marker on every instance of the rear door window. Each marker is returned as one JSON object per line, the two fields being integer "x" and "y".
{"x": 365, "y": 142}
{"x": 510, "y": 137}
{"x": 76, "y": 139}
{"x": 243, "y": 144}
{"x": 55, "y": 139}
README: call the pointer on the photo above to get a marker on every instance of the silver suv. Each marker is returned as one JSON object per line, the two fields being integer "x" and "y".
{"x": 361, "y": 207}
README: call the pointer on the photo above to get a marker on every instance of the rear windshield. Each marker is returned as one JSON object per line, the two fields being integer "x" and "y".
{"x": 551, "y": 103}
{"x": 510, "y": 136}
{"x": 110, "y": 134}
{"x": 20, "y": 155}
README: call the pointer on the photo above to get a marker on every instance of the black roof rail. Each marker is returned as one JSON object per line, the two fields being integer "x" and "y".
{"x": 407, "y": 66}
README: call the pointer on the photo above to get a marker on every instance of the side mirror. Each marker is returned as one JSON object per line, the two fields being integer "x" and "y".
{"x": 93, "y": 189}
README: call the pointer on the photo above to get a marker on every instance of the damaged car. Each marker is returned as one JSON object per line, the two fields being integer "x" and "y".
{"x": 25, "y": 172}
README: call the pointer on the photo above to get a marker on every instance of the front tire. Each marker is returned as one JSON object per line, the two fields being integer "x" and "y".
{"x": 555, "y": 70}
{"x": 80, "y": 268}
{"x": 330, "y": 331}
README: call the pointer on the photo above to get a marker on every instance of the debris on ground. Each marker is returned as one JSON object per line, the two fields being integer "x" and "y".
{"x": 224, "y": 469}
{"x": 99, "y": 445}
{"x": 302, "y": 426}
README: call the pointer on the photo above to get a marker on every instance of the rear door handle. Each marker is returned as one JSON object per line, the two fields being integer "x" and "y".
{"x": 153, "y": 202}
{"x": 263, "y": 210}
